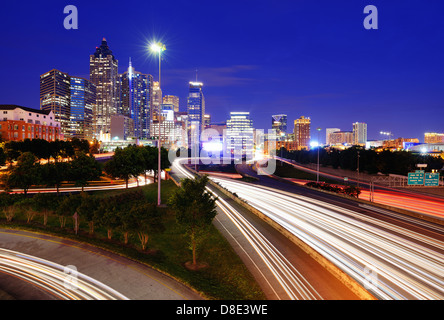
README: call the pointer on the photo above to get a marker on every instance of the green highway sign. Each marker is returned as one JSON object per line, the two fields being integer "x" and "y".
{"x": 431, "y": 179}
{"x": 416, "y": 178}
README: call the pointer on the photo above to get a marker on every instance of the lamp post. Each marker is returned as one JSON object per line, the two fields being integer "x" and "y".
{"x": 158, "y": 48}
{"x": 317, "y": 175}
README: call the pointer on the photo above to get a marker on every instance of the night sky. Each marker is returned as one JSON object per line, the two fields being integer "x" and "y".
{"x": 312, "y": 58}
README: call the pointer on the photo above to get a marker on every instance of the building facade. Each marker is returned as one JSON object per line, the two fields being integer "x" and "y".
{"x": 19, "y": 123}
{"x": 55, "y": 96}
{"x": 104, "y": 74}
{"x": 136, "y": 99}
{"x": 341, "y": 137}
{"x": 279, "y": 123}
{"x": 82, "y": 103}
{"x": 302, "y": 132}
{"x": 174, "y": 100}
{"x": 433, "y": 137}
{"x": 359, "y": 133}
{"x": 196, "y": 105}
{"x": 240, "y": 135}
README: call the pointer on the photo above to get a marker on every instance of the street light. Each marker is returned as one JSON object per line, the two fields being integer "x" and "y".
{"x": 157, "y": 48}
{"x": 317, "y": 176}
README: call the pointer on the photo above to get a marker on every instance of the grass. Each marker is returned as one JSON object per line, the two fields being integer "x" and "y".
{"x": 225, "y": 278}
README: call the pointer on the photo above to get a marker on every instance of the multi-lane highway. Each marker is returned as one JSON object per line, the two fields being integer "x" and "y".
{"x": 393, "y": 256}
{"x": 284, "y": 271}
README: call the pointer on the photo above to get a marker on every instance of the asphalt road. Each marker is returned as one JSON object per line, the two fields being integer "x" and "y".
{"x": 282, "y": 269}
{"x": 133, "y": 280}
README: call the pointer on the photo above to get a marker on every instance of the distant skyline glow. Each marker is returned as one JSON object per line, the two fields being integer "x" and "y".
{"x": 300, "y": 58}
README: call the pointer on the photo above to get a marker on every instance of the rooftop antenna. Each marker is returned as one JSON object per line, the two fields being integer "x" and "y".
{"x": 196, "y": 75}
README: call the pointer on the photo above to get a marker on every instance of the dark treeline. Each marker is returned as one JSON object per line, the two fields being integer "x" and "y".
{"x": 43, "y": 149}
{"x": 129, "y": 213}
{"x": 370, "y": 161}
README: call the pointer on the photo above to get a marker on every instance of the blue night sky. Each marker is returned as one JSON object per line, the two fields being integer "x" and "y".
{"x": 311, "y": 58}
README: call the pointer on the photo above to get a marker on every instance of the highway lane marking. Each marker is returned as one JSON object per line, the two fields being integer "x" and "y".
{"x": 20, "y": 234}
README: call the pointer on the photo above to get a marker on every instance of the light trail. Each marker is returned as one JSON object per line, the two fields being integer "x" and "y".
{"x": 54, "y": 279}
{"x": 381, "y": 256}
{"x": 290, "y": 279}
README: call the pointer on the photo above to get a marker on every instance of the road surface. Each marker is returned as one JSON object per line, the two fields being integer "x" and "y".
{"x": 35, "y": 266}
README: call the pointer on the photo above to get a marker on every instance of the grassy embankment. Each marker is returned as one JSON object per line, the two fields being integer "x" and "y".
{"x": 226, "y": 277}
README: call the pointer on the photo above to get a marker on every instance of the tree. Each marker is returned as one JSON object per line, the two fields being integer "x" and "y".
{"x": 195, "y": 210}
{"x": 54, "y": 173}
{"x": 24, "y": 173}
{"x": 142, "y": 218}
{"x": 88, "y": 210}
{"x": 109, "y": 214}
{"x": 67, "y": 207}
{"x": 83, "y": 169}
{"x": 45, "y": 202}
{"x": 119, "y": 166}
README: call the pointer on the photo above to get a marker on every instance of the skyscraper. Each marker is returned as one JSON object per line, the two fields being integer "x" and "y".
{"x": 359, "y": 133}
{"x": 104, "y": 74}
{"x": 196, "y": 105}
{"x": 136, "y": 98}
{"x": 55, "y": 96}
{"x": 279, "y": 123}
{"x": 302, "y": 132}
{"x": 83, "y": 100}
{"x": 157, "y": 100}
{"x": 174, "y": 100}
{"x": 239, "y": 135}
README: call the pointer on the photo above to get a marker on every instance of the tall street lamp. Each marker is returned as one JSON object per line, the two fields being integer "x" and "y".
{"x": 317, "y": 178}
{"x": 158, "y": 48}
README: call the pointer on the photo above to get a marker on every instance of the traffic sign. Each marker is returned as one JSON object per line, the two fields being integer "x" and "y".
{"x": 416, "y": 178}
{"x": 431, "y": 179}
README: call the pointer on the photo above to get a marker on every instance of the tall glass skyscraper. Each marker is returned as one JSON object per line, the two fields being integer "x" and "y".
{"x": 55, "y": 96}
{"x": 136, "y": 100}
{"x": 83, "y": 100}
{"x": 279, "y": 123}
{"x": 104, "y": 74}
{"x": 196, "y": 105}
{"x": 239, "y": 135}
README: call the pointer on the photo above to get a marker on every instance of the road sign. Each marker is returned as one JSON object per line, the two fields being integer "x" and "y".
{"x": 421, "y": 165}
{"x": 431, "y": 179}
{"x": 416, "y": 178}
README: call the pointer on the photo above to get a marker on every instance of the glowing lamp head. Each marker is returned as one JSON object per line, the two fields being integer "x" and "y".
{"x": 157, "y": 47}
{"x": 314, "y": 144}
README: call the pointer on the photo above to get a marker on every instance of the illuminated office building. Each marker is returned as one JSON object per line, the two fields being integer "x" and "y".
{"x": 240, "y": 135}
{"x": 433, "y": 137}
{"x": 196, "y": 105}
{"x": 359, "y": 133}
{"x": 302, "y": 132}
{"x": 279, "y": 124}
{"x": 136, "y": 98}
{"x": 104, "y": 74}
{"x": 83, "y": 100}
{"x": 328, "y": 133}
{"x": 19, "y": 123}
{"x": 174, "y": 100}
{"x": 55, "y": 96}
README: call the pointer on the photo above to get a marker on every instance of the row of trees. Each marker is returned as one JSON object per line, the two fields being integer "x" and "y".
{"x": 43, "y": 149}
{"x": 134, "y": 161}
{"x": 27, "y": 172}
{"x": 128, "y": 213}
{"x": 371, "y": 161}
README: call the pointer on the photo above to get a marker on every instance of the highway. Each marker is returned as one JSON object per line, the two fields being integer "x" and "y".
{"x": 394, "y": 257}
{"x": 283, "y": 270}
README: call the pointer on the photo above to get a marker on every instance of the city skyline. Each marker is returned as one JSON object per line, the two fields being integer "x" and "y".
{"x": 388, "y": 78}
